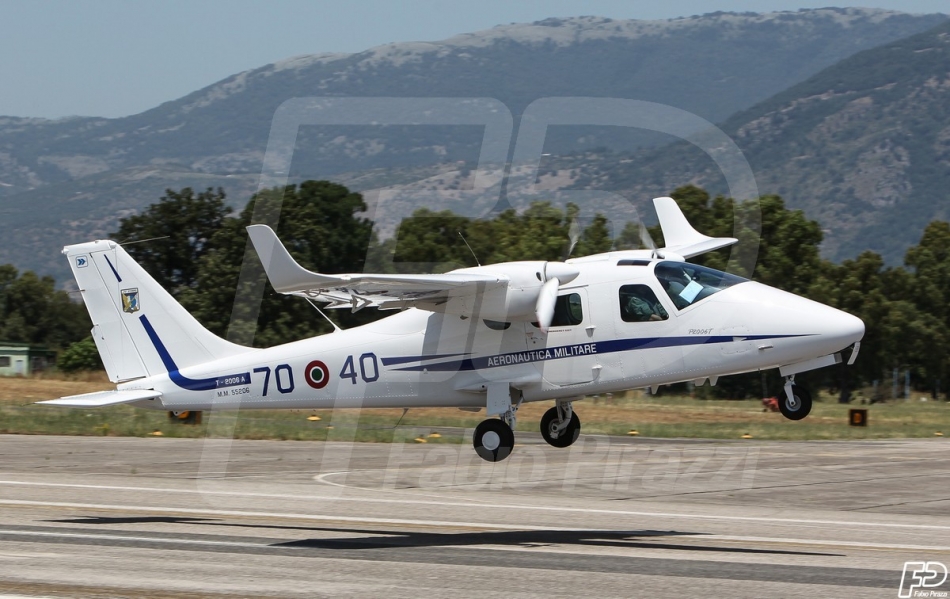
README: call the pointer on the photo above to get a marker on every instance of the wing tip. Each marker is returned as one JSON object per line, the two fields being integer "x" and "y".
{"x": 284, "y": 273}
{"x": 680, "y": 236}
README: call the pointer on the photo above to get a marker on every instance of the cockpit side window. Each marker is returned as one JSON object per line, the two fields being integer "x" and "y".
{"x": 687, "y": 283}
{"x": 568, "y": 311}
{"x": 638, "y": 303}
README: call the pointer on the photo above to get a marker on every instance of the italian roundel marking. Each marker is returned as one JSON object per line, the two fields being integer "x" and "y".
{"x": 317, "y": 374}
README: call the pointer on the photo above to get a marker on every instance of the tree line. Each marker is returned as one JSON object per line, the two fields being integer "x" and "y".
{"x": 194, "y": 245}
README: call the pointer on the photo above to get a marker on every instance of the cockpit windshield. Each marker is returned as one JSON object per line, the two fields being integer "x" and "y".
{"x": 687, "y": 283}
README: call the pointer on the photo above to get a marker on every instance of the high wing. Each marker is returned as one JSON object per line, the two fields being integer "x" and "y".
{"x": 680, "y": 237}
{"x": 357, "y": 291}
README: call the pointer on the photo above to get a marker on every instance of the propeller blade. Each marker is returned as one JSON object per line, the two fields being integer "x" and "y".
{"x": 565, "y": 273}
{"x": 547, "y": 298}
{"x": 645, "y": 237}
{"x": 574, "y": 233}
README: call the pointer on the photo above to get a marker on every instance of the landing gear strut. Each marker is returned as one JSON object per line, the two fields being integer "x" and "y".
{"x": 494, "y": 439}
{"x": 797, "y": 401}
{"x": 560, "y": 426}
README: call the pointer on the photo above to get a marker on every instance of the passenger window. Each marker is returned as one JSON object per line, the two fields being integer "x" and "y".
{"x": 638, "y": 303}
{"x": 568, "y": 311}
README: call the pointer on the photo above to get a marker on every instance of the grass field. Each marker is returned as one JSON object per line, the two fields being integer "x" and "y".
{"x": 650, "y": 416}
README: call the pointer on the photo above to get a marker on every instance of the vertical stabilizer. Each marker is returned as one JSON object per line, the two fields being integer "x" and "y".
{"x": 139, "y": 328}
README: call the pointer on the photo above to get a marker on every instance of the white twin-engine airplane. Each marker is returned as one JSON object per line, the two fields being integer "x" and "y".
{"x": 487, "y": 337}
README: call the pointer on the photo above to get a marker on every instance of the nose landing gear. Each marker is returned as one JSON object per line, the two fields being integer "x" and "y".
{"x": 797, "y": 401}
{"x": 493, "y": 440}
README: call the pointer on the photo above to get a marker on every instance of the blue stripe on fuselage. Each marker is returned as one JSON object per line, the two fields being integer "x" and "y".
{"x": 230, "y": 380}
{"x": 579, "y": 349}
{"x": 407, "y": 359}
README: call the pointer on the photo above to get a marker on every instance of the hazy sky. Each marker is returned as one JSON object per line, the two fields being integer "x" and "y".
{"x": 115, "y": 58}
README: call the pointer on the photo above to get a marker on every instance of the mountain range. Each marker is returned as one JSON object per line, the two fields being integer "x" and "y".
{"x": 70, "y": 180}
{"x": 863, "y": 147}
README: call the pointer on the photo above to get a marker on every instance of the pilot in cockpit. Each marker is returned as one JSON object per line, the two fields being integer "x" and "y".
{"x": 674, "y": 281}
{"x": 638, "y": 303}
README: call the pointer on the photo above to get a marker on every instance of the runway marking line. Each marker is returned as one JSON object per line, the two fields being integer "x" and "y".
{"x": 287, "y": 516}
{"x": 699, "y": 536}
{"x": 855, "y": 544}
{"x": 105, "y": 537}
{"x": 509, "y": 506}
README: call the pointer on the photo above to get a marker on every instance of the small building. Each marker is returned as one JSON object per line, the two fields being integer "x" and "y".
{"x": 23, "y": 359}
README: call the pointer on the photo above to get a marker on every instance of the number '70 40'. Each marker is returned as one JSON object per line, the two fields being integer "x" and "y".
{"x": 365, "y": 367}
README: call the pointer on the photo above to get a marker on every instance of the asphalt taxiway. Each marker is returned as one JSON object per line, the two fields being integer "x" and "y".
{"x": 609, "y": 517}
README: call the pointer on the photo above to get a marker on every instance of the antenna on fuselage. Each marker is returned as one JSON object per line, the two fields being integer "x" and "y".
{"x": 404, "y": 412}
{"x": 469, "y": 248}
{"x": 127, "y": 242}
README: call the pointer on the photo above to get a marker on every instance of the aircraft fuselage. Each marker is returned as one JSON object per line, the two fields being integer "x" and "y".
{"x": 419, "y": 358}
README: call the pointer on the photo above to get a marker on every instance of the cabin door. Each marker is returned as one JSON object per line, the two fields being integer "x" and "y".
{"x": 569, "y": 347}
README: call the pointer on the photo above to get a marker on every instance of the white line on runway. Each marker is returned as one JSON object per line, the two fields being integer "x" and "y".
{"x": 856, "y": 544}
{"x": 321, "y": 478}
{"x": 243, "y": 514}
{"x": 502, "y": 506}
{"x": 102, "y": 537}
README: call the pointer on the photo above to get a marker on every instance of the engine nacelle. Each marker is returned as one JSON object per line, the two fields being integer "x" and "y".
{"x": 515, "y": 297}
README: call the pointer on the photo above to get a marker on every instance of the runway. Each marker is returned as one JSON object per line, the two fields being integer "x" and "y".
{"x": 609, "y": 517}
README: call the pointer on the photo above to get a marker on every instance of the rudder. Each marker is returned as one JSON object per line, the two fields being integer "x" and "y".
{"x": 139, "y": 328}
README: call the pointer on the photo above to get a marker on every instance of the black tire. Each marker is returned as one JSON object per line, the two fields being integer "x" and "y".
{"x": 493, "y": 440}
{"x": 567, "y": 436}
{"x": 802, "y": 405}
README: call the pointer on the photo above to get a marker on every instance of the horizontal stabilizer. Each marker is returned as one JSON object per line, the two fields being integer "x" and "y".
{"x": 680, "y": 236}
{"x": 100, "y": 399}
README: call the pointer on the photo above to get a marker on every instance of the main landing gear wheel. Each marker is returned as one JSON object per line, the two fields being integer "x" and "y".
{"x": 554, "y": 433}
{"x": 493, "y": 440}
{"x": 185, "y": 417}
{"x": 798, "y": 406}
